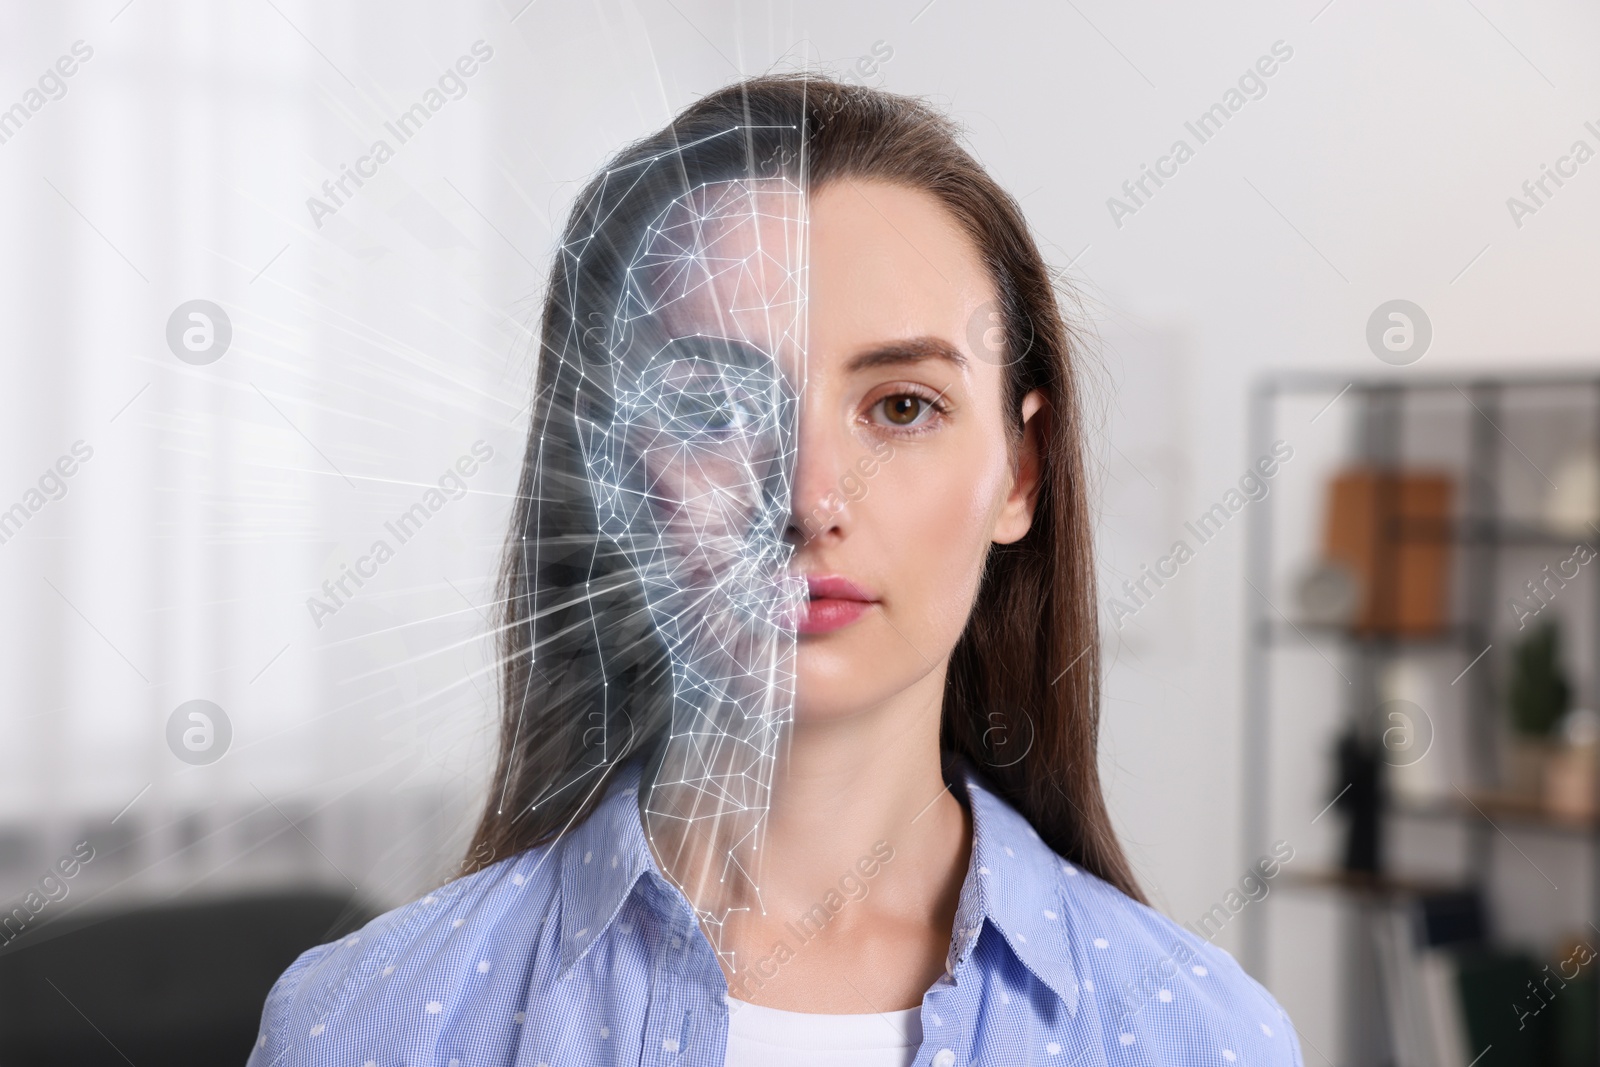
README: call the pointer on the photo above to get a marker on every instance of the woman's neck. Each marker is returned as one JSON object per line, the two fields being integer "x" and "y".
{"x": 847, "y": 784}
{"x": 843, "y": 793}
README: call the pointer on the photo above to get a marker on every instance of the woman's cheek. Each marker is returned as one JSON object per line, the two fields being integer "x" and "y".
{"x": 966, "y": 554}
{"x": 694, "y": 495}
{"x": 942, "y": 513}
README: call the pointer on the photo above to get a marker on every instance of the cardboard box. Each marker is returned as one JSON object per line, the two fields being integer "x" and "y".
{"x": 1392, "y": 529}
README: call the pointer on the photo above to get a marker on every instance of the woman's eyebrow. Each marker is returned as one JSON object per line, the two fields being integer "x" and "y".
{"x": 912, "y": 350}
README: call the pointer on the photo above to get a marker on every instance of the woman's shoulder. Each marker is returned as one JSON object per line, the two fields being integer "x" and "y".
{"x": 1143, "y": 979}
{"x": 1156, "y": 983}
{"x": 403, "y": 963}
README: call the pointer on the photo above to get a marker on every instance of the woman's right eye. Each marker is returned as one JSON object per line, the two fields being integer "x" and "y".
{"x": 710, "y": 388}
{"x": 706, "y": 408}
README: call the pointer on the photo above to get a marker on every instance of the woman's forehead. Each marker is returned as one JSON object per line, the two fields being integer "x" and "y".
{"x": 728, "y": 259}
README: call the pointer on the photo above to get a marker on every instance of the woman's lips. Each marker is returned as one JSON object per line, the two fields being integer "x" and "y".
{"x": 834, "y": 602}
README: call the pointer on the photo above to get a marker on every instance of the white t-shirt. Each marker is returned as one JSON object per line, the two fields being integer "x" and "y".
{"x": 767, "y": 1037}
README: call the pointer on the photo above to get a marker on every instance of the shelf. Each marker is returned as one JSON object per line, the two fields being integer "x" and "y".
{"x": 1409, "y": 381}
{"x": 1520, "y": 533}
{"x": 1280, "y": 631}
{"x": 1382, "y": 885}
{"x": 1507, "y": 532}
{"x": 1497, "y": 808}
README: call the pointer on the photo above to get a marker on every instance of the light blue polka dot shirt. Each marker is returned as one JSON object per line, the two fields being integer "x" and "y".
{"x": 580, "y": 954}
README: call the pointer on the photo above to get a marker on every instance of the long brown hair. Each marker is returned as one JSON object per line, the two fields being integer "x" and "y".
{"x": 583, "y": 678}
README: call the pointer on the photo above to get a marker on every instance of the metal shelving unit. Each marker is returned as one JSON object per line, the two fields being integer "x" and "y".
{"x": 1482, "y": 535}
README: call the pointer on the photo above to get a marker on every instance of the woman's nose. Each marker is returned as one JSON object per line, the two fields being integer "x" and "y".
{"x": 819, "y": 509}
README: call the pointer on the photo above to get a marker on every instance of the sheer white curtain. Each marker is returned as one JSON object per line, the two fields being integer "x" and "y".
{"x": 373, "y": 392}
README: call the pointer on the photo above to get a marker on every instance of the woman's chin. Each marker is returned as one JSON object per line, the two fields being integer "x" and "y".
{"x": 826, "y": 696}
{"x": 811, "y": 715}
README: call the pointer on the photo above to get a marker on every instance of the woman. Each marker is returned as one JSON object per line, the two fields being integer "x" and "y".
{"x": 799, "y": 651}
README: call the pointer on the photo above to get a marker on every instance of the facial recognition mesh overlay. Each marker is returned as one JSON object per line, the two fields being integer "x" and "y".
{"x": 650, "y": 606}
{"x": 691, "y": 477}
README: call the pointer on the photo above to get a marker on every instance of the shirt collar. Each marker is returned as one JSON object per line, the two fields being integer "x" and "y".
{"x": 1014, "y": 880}
{"x": 600, "y": 862}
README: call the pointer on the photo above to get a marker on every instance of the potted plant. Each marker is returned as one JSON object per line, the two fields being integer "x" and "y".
{"x": 1538, "y": 696}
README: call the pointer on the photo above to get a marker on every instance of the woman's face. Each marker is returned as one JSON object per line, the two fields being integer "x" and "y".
{"x": 904, "y": 475}
{"x": 819, "y": 425}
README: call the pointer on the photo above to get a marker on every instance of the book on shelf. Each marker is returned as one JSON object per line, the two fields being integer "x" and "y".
{"x": 1427, "y": 1023}
{"x": 1453, "y": 999}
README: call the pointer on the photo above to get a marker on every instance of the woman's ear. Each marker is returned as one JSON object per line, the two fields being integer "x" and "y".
{"x": 1016, "y": 514}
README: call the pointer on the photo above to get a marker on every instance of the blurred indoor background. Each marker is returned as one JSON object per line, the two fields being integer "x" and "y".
{"x": 1343, "y": 350}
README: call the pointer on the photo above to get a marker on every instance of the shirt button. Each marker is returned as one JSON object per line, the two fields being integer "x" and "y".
{"x": 944, "y": 1058}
